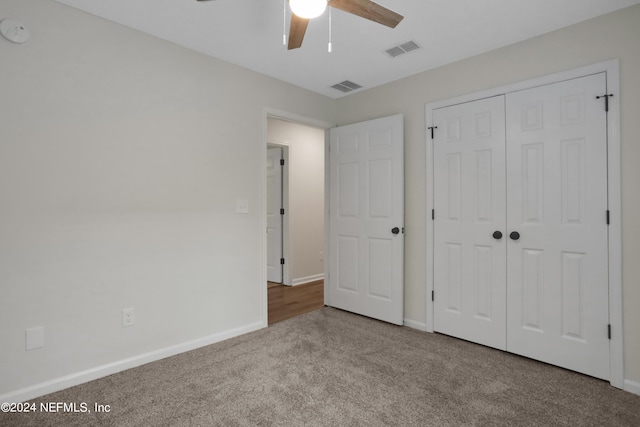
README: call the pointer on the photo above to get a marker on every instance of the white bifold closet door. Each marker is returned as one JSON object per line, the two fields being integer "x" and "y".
{"x": 469, "y": 200}
{"x": 557, "y": 294}
{"x": 520, "y": 237}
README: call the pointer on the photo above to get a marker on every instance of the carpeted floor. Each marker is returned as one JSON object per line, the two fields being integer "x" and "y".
{"x": 332, "y": 368}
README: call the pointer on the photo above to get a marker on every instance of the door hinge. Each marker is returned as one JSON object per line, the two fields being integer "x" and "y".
{"x": 281, "y": 211}
{"x": 433, "y": 295}
{"x": 606, "y": 97}
{"x": 431, "y": 128}
{"x": 433, "y": 214}
{"x": 281, "y": 162}
{"x": 609, "y": 330}
{"x": 608, "y": 217}
{"x": 281, "y": 261}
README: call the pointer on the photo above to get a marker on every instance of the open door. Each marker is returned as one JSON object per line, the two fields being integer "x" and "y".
{"x": 274, "y": 215}
{"x": 366, "y": 219}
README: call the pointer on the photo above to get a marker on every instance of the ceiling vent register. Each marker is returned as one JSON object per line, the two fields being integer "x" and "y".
{"x": 346, "y": 86}
{"x": 401, "y": 49}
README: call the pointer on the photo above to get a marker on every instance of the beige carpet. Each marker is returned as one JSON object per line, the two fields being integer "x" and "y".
{"x": 331, "y": 368}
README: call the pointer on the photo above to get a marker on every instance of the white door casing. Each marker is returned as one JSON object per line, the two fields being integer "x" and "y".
{"x": 557, "y": 201}
{"x": 274, "y": 218}
{"x": 366, "y": 204}
{"x": 469, "y": 201}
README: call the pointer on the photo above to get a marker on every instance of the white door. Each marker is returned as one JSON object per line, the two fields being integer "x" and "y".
{"x": 366, "y": 219}
{"x": 557, "y": 202}
{"x": 551, "y": 181}
{"x": 469, "y": 207}
{"x": 274, "y": 217}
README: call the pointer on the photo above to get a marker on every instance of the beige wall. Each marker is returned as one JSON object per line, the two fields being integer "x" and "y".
{"x": 306, "y": 196}
{"x": 613, "y": 36}
{"x": 121, "y": 159}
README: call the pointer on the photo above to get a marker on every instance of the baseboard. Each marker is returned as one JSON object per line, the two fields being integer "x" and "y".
{"x": 81, "y": 377}
{"x": 632, "y": 387}
{"x": 415, "y": 325}
{"x": 308, "y": 279}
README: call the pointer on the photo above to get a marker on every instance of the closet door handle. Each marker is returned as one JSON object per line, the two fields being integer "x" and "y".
{"x": 497, "y": 235}
{"x": 395, "y": 230}
{"x": 514, "y": 235}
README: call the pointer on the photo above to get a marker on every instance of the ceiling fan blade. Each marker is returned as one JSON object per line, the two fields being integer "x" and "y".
{"x": 368, "y": 10}
{"x": 297, "y": 28}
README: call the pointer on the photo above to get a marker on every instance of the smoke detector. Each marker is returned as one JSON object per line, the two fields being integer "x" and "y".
{"x": 14, "y": 31}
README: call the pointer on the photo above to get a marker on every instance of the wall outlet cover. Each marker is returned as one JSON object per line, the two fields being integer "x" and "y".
{"x": 128, "y": 317}
{"x": 34, "y": 338}
{"x": 242, "y": 206}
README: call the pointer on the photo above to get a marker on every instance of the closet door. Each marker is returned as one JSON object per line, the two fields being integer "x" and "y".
{"x": 469, "y": 240}
{"x": 557, "y": 278}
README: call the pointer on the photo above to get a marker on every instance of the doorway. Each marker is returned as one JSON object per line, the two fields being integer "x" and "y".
{"x": 295, "y": 211}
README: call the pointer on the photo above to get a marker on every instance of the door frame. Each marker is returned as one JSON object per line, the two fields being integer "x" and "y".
{"x": 303, "y": 120}
{"x": 611, "y": 68}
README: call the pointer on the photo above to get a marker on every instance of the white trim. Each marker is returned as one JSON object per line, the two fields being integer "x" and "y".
{"x": 87, "y": 375}
{"x": 632, "y": 387}
{"x": 616, "y": 346}
{"x": 611, "y": 68}
{"x": 327, "y": 222}
{"x": 296, "y": 118}
{"x": 429, "y": 228}
{"x": 307, "y": 279}
{"x": 415, "y": 325}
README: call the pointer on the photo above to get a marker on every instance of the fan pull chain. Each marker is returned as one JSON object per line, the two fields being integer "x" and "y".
{"x": 329, "y": 46}
{"x": 284, "y": 22}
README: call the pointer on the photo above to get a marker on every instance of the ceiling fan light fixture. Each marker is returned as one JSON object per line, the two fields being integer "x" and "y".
{"x": 308, "y": 9}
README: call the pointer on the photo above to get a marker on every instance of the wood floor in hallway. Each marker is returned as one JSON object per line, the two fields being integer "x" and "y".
{"x": 286, "y": 302}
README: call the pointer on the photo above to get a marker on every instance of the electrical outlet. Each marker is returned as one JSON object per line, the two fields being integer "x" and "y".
{"x": 34, "y": 338}
{"x": 128, "y": 317}
{"x": 242, "y": 206}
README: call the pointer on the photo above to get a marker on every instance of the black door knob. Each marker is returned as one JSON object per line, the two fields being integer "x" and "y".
{"x": 395, "y": 230}
{"x": 497, "y": 235}
{"x": 514, "y": 235}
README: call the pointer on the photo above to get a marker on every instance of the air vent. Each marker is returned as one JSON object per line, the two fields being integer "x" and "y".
{"x": 346, "y": 86}
{"x": 401, "y": 49}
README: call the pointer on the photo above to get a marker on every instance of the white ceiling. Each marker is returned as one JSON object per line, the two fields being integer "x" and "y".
{"x": 249, "y": 33}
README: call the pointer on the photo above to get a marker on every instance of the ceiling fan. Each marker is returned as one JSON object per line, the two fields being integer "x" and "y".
{"x": 366, "y": 9}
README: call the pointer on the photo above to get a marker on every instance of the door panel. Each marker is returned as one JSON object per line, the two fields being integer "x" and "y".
{"x": 274, "y": 219}
{"x": 366, "y": 203}
{"x": 557, "y": 201}
{"x": 469, "y": 196}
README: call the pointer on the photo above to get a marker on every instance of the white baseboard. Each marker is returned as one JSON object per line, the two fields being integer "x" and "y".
{"x": 308, "y": 279}
{"x": 632, "y": 386}
{"x": 81, "y": 377}
{"x": 415, "y": 325}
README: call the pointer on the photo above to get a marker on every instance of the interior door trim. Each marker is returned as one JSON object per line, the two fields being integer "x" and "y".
{"x": 611, "y": 68}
